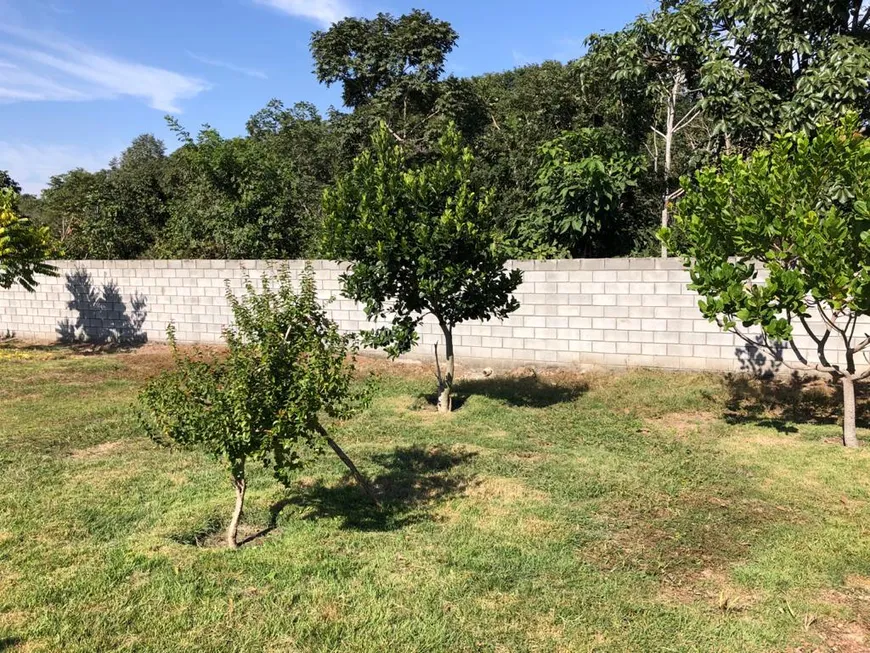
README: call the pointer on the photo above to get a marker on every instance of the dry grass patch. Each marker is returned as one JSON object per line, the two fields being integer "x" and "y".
{"x": 98, "y": 450}
{"x": 505, "y": 490}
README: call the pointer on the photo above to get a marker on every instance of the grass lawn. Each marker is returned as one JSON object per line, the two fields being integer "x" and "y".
{"x": 638, "y": 511}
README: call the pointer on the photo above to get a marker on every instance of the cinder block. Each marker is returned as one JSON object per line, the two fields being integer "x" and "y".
{"x": 604, "y": 276}
{"x": 680, "y": 350}
{"x": 617, "y": 311}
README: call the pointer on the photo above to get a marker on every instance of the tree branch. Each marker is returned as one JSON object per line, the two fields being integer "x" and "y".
{"x": 687, "y": 120}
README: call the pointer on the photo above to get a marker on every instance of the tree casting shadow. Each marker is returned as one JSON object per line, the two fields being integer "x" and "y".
{"x": 102, "y": 314}
{"x": 520, "y": 392}
{"x": 413, "y": 481}
{"x": 778, "y": 401}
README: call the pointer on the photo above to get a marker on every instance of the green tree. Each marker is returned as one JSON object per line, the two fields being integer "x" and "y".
{"x": 6, "y": 181}
{"x": 801, "y": 210}
{"x": 115, "y": 213}
{"x": 23, "y": 246}
{"x": 286, "y": 366}
{"x": 655, "y": 62}
{"x": 421, "y": 241}
{"x": 582, "y": 193}
{"x": 783, "y": 65}
{"x": 231, "y": 199}
{"x": 390, "y": 70}
{"x": 401, "y": 57}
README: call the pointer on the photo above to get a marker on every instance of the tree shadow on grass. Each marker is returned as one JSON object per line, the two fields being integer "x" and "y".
{"x": 779, "y": 402}
{"x": 414, "y": 480}
{"x": 520, "y": 392}
{"x": 9, "y": 643}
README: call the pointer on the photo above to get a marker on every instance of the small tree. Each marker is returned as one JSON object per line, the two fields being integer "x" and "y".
{"x": 286, "y": 365}
{"x": 800, "y": 209}
{"x": 421, "y": 241}
{"x": 23, "y": 247}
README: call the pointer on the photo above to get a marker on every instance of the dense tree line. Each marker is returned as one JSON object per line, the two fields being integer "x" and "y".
{"x": 583, "y": 158}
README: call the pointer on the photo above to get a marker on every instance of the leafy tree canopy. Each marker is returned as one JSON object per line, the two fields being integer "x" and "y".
{"x": 421, "y": 240}
{"x": 23, "y": 246}
{"x": 799, "y": 209}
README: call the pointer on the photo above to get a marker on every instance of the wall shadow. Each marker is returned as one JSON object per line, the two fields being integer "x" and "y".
{"x": 414, "y": 480}
{"x": 103, "y": 316}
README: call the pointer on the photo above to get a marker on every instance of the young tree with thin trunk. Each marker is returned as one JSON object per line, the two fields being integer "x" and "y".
{"x": 800, "y": 209}
{"x": 421, "y": 241}
{"x": 287, "y": 365}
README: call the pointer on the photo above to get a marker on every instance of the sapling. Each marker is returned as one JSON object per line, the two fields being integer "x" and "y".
{"x": 421, "y": 240}
{"x": 799, "y": 209}
{"x": 286, "y": 366}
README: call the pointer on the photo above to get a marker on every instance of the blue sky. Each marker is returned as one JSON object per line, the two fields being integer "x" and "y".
{"x": 79, "y": 79}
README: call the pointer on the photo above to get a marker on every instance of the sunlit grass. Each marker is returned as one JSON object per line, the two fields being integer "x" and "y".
{"x": 639, "y": 511}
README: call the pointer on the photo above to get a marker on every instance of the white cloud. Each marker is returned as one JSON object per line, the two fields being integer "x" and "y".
{"x": 51, "y": 68}
{"x": 250, "y": 72}
{"x": 33, "y": 165}
{"x": 324, "y": 12}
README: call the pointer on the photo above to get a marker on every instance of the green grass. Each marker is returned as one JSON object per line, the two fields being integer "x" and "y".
{"x": 641, "y": 511}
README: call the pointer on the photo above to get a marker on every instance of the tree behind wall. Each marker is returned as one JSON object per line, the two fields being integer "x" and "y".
{"x": 421, "y": 241}
{"x": 800, "y": 209}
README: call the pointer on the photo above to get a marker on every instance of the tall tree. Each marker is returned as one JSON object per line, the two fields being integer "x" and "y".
{"x": 783, "y": 64}
{"x": 6, "y": 181}
{"x": 389, "y": 69}
{"x": 420, "y": 240}
{"x": 657, "y": 59}
{"x": 235, "y": 198}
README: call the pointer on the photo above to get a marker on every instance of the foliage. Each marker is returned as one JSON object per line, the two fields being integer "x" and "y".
{"x": 23, "y": 246}
{"x": 113, "y": 213}
{"x": 421, "y": 240}
{"x": 582, "y": 190}
{"x": 254, "y": 197}
{"x": 6, "y": 181}
{"x": 680, "y": 85}
{"x": 286, "y": 364}
{"x": 799, "y": 209}
{"x": 400, "y": 57}
{"x": 780, "y": 65}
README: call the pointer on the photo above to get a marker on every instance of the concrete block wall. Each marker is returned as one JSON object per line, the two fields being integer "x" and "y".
{"x": 614, "y": 312}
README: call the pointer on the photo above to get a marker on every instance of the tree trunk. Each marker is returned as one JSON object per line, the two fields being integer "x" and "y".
{"x": 850, "y": 439}
{"x": 349, "y": 464}
{"x": 445, "y": 382}
{"x": 233, "y": 529}
{"x": 669, "y": 146}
